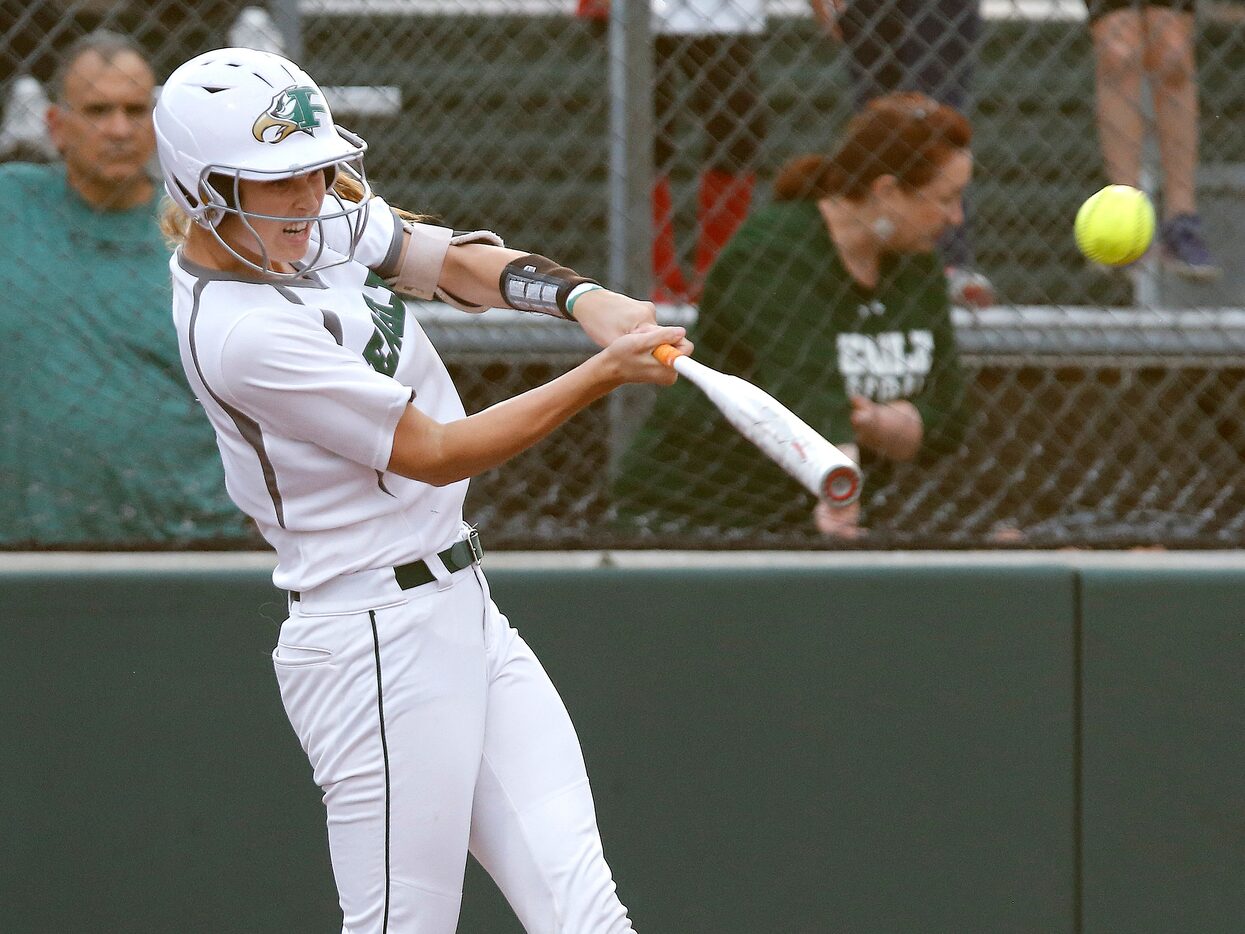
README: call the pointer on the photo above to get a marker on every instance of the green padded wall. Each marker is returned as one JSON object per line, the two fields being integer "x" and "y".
{"x": 838, "y": 749}
{"x": 820, "y": 750}
{"x": 152, "y": 782}
{"x": 1164, "y": 761}
{"x": 772, "y": 750}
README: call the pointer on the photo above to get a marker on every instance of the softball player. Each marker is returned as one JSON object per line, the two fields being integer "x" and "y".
{"x": 429, "y": 724}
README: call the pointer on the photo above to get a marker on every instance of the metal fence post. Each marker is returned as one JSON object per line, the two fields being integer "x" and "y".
{"x": 630, "y": 187}
{"x": 630, "y": 146}
{"x": 288, "y": 19}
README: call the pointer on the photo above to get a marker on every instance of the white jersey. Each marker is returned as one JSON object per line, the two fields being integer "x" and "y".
{"x": 708, "y": 17}
{"x": 304, "y": 382}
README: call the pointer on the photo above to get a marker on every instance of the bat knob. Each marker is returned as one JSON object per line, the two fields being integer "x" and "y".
{"x": 841, "y": 486}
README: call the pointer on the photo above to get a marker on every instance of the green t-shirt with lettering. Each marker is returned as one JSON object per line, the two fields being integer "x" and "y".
{"x": 780, "y": 310}
{"x": 101, "y": 440}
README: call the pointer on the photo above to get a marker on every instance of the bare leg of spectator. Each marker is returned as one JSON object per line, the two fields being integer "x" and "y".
{"x": 1173, "y": 83}
{"x": 1119, "y": 39}
{"x": 1169, "y": 62}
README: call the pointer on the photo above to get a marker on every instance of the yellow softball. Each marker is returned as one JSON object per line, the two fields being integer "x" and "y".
{"x": 1115, "y": 226}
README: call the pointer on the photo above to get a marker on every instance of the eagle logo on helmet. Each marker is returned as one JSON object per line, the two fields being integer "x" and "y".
{"x": 291, "y": 111}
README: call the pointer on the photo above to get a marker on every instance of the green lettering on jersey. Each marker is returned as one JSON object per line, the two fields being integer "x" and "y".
{"x": 381, "y": 352}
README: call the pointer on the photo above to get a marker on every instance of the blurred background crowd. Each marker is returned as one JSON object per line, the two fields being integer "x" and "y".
{"x": 663, "y": 147}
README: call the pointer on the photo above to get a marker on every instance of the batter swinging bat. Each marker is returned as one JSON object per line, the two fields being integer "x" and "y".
{"x": 818, "y": 465}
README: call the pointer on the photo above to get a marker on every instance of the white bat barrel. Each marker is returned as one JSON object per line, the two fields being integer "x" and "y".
{"x": 818, "y": 465}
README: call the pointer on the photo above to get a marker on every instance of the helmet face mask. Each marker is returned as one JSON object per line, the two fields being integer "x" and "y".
{"x": 238, "y": 115}
{"x": 222, "y": 196}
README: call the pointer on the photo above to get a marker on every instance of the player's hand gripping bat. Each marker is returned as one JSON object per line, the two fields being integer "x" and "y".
{"x": 818, "y": 465}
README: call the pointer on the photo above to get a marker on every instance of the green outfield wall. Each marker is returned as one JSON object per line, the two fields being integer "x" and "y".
{"x": 941, "y": 744}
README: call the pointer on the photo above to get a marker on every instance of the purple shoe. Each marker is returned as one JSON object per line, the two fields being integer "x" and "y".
{"x": 1184, "y": 251}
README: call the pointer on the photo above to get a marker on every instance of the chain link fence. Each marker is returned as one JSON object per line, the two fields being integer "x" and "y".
{"x": 1102, "y": 407}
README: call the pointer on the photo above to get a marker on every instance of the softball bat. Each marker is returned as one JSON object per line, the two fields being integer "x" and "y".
{"x": 787, "y": 440}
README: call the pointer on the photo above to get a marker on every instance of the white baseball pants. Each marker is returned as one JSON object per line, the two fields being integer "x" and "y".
{"x": 433, "y": 729}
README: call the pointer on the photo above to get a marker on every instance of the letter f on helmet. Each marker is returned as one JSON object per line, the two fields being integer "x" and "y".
{"x": 291, "y": 111}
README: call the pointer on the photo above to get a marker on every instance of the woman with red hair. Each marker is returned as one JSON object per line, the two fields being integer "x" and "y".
{"x": 833, "y": 299}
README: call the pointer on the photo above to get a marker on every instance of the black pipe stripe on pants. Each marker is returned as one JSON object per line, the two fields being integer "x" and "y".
{"x": 384, "y": 748}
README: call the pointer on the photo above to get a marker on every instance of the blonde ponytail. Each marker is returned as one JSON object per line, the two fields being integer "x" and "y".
{"x": 174, "y": 223}
{"x": 350, "y": 189}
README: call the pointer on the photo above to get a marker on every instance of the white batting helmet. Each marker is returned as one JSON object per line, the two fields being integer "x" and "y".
{"x": 235, "y": 114}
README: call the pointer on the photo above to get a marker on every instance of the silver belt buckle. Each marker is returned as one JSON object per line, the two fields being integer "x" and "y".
{"x": 477, "y": 550}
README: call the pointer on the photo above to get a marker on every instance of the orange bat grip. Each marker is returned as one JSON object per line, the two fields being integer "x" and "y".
{"x": 667, "y": 354}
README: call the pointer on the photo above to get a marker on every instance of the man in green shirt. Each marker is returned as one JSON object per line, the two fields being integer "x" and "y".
{"x": 101, "y": 442}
